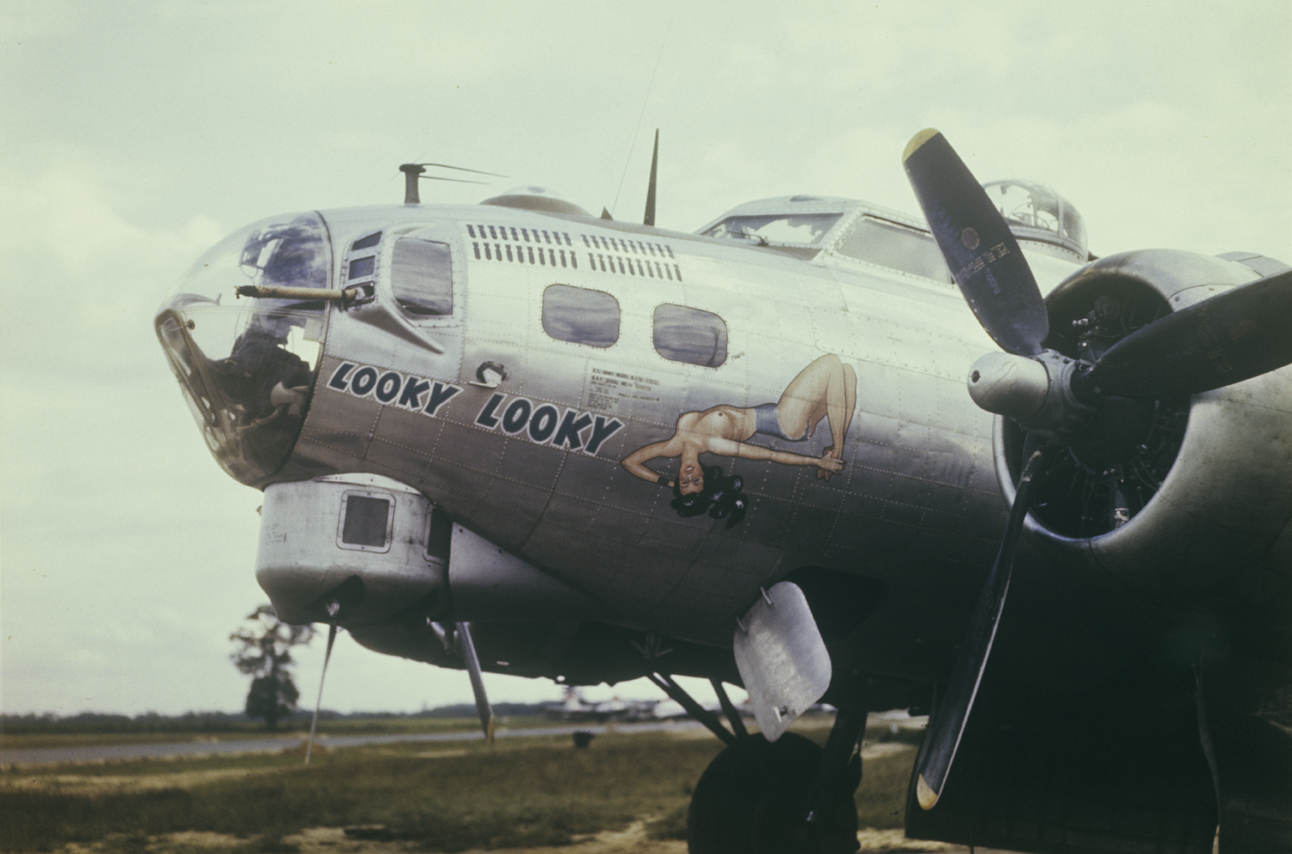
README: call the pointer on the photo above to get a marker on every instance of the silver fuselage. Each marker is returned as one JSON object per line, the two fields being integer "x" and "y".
{"x": 917, "y": 506}
{"x": 536, "y": 396}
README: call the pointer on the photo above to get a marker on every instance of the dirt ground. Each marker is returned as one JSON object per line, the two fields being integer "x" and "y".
{"x": 336, "y": 840}
{"x": 632, "y": 840}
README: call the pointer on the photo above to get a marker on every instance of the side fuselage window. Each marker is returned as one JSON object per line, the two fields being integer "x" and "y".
{"x": 421, "y": 277}
{"x": 690, "y": 335}
{"x": 580, "y": 315}
{"x": 365, "y": 522}
{"x": 361, "y": 260}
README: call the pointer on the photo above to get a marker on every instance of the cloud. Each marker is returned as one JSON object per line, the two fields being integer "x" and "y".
{"x": 98, "y": 273}
{"x": 141, "y": 133}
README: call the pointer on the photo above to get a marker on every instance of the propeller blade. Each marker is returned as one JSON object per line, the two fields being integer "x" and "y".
{"x": 1231, "y": 337}
{"x": 460, "y": 169}
{"x": 943, "y": 736}
{"x": 650, "y": 188}
{"x": 979, "y": 248}
{"x": 477, "y": 683}
{"x": 314, "y": 723}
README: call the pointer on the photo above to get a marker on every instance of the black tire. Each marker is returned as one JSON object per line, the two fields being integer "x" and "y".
{"x": 753, "y": 797}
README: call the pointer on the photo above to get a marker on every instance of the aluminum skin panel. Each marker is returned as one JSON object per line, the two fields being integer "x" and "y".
{"x": 537, "y": 463}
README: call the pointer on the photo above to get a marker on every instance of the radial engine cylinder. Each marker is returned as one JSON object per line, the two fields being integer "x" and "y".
{"x": 1201, "y": 498}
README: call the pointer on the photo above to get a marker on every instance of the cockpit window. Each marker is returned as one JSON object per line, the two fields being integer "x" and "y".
{"x": 776, "y": 228}
{"x": 1038, "y": 208}
{"x": 421, "y": 276}
{"x": 898, "y": 247}
{"x": 691, "y": 335}
{"x": 580, "y": 315}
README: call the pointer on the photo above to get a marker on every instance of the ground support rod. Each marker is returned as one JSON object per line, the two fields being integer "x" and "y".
{"x": 729, "y": 709}
{"x": 675, "y": 692}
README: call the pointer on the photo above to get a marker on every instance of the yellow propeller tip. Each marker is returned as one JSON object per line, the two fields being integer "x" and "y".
{"x": 918, "y": 140}
{"x": 925, "y": 794}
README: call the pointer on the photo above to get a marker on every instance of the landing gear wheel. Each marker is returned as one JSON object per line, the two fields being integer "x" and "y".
{"x": 755, "y": 796}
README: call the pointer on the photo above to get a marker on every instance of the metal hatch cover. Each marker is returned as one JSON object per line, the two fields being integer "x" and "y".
{"x": 781, "y": 658}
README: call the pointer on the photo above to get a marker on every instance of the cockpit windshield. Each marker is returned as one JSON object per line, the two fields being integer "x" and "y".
{"x": 1034, "y": 210}
{"x": 246, "y": 366}
{"x": 805, "y": 228}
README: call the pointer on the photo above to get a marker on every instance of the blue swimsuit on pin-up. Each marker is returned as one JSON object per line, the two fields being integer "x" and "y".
{"x": 767, "y": 422}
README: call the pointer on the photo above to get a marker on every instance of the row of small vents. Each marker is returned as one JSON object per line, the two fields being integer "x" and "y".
{"x": 546, "y": 248}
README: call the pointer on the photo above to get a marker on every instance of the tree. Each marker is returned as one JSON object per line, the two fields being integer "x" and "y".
{"x": 264, "y": 653}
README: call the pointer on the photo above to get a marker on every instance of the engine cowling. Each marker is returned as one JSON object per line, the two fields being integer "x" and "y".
{"x": 1184, "y": 495}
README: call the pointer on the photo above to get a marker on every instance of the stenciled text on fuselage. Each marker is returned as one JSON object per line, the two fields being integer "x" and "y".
{"x": 545, "y": 424}
{"x": 541, "y": 423}
{"x": 392, "y": 388}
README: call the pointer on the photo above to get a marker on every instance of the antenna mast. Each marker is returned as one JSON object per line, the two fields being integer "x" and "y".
{"x": 411, "y": 173}
{"x": 650, "y": 189}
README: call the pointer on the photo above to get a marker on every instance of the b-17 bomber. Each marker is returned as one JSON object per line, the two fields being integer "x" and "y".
{"x": 818, "y": 449}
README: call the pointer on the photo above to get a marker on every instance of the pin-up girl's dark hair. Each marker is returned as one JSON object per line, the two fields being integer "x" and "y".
{"x": 722, "y": 497}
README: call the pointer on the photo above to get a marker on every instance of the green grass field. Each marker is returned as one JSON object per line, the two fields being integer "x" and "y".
{"x": 253, "y": 730}
{"x": 520, "y": 792}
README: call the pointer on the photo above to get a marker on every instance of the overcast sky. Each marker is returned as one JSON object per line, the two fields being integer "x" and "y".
{"x": 138, "y": 134}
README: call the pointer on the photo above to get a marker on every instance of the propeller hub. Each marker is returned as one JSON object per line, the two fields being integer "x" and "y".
{"x": 1009, "y": 385}
{"x": 1035, "y": 391}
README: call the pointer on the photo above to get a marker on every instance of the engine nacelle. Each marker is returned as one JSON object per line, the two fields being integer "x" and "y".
{"x": 1197, "y": 490}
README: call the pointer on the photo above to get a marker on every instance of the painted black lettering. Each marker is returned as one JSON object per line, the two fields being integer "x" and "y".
{"x": 338, "y": 380}
{"x": 571, "y": 425}
{"x": 543, "y": 424}
{"x": 364, "y": 380}
{"x": 513, "y": 420}
{"x": 486, "y": 418}
{"x": 442, "y": 393}
{"x": 602, "y": 431}
{"x": 388, "y": 386}
{"x": 414, "y": 388}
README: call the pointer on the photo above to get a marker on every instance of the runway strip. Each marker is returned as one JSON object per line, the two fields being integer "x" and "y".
{"x": 118, "y": 752}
